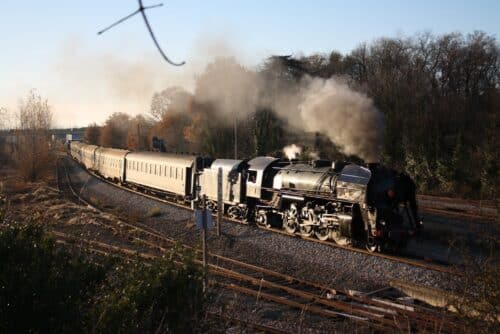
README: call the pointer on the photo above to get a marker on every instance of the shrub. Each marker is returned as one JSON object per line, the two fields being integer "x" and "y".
{"x": 160, "y": 297}
{"x": 43, "y": 288}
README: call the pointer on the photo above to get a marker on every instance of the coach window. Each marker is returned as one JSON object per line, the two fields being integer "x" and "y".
{"x": 176, "y": 168}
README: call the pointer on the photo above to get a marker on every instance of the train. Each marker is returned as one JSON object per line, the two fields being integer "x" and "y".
{"x": 368, "y": 206}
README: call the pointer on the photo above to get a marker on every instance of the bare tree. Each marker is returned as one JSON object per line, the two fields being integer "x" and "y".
{"x": 4, "y": 118}
{"x": 32, "y": 154}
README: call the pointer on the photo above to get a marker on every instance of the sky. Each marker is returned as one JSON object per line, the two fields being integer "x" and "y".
{"x": 53, "y": 46}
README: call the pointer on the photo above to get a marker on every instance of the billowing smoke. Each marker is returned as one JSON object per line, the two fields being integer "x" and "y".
{"x": 232, "y": 89}
{"x": 328, "y": 106}
{"x": 347, "y": 117}
{"x": 314, "y": 155}
{"x": 292, "y": 151}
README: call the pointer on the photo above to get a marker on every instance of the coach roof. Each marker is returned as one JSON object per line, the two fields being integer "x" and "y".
{"x": 114, "y": 152}
{"x": 179, "y": 160}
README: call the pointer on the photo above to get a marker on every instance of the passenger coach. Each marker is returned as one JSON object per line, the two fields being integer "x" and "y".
{"x": 110, "y": 163}
{"x": 170, "y": 173}
{"x": 88, "y": 156}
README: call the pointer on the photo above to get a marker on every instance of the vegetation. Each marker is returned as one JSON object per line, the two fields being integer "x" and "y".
{"x": 46, "y": 289}
{"x": 43, "y": 289}
{"x": 476, "y": 294}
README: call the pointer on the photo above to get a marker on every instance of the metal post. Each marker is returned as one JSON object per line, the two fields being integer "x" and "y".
{"x": 204, "y": 238}
{"x": 235, "y": 138}
{"x": 220, "y": 203}
{"x": 204, "y": 230}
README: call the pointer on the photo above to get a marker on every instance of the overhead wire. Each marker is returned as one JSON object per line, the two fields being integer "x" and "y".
{"x": 142, "y": 10}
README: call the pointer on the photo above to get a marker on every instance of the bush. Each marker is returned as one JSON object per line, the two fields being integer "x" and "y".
{"x": 42, "y": 288}
{"x": 156, "y": 298}
{"x": 46, "y": 289}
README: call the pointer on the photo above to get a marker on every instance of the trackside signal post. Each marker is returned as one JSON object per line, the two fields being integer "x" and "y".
{"x": 204, "y": 222}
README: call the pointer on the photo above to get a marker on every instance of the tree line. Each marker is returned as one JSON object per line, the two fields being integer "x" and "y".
{"x": 439, "y": 96}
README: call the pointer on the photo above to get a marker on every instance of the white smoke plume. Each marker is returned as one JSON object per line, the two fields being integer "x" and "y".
{"x": 331, "y": 107}
{"x": 347, "y": 117}
{"x": 292, "y": 151}
{"x": 231, "y": 88}
{"x": 314, "y": 155}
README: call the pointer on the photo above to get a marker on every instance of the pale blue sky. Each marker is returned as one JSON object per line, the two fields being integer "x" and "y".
{"x": 52, "y": 45}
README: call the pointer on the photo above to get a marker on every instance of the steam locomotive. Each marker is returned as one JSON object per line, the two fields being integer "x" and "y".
{"x": 373, "y": 206}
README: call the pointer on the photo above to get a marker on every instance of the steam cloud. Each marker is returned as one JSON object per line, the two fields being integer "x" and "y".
{"x": 330, "y": 107}
{"x": 292, "y": 151}
{"x": 347, "y": 117}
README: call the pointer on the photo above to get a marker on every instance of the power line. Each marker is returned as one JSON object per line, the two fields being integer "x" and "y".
{"x": 142, "y": 10}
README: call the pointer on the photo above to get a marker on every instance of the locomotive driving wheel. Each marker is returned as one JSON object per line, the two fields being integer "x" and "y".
{"x": 290, "y": 222}
{"x": 306, "y": 230}
{"x": 322, "y": 233}
{"x": 339, "y": 239}
{"x": 290, "y": 225}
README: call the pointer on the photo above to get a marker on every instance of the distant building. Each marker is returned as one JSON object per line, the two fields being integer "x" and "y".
{"x": 73, "y": 137}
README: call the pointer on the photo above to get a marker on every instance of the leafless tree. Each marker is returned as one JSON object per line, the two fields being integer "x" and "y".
{"x": 32, "y": 154}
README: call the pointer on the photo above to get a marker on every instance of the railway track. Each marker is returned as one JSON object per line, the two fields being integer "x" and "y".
{"x": 460, "y": 208}
{"x": 269, "y": 285}
{"x": 302, "y": 295}
{"x": 424, "y": 263}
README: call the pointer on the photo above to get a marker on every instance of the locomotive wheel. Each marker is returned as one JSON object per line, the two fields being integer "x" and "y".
{"x": 322, "y": 233}
{"x": 291, "y": 226}
{"x": 306, "y": 230}
{"x": 290, "y": 222}
{"x": 339, "y": 240}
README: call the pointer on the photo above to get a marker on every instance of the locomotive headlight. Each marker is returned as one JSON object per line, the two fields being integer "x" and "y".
{"x": 382, "y": 222}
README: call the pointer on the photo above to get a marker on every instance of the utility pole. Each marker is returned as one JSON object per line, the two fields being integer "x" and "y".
{"x": 220, "y": 203}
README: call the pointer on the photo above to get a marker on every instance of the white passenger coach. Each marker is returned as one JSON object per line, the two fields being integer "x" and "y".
{"x": 171, "y": 173}
{"x": 110, "y": 163}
